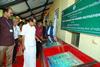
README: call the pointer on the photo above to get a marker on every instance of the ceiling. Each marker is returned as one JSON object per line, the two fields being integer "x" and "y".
{"x": 27, "y": 8}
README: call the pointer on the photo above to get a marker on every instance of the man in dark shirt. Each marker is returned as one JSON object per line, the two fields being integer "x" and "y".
{"x": 6, "y": 37}
{"x": 39, "y": 34}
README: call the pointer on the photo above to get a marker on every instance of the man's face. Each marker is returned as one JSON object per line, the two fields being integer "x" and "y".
{"x": 34, "y": 22}
{"x": 15, "y": 22}
{"x": 31, "y": 23}
{"x": 39, "y": 24}
{"x": 9, "y": 13}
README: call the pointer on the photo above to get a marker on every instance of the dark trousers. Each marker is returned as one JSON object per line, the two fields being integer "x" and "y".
{"x": 38, "y": 48}
{"x": 15, "y": 50}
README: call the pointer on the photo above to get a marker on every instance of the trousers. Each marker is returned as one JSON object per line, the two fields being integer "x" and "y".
{"x": 8, "y": 50}
{"x": 15, "y": 50}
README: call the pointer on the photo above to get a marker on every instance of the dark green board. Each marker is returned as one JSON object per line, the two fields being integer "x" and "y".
{"x": 82, "y": 17}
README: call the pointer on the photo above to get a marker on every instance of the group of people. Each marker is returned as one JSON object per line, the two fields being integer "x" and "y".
{"x": 32, "y": 35}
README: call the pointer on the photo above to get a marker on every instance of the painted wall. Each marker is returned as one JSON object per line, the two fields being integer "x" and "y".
{"x": 88, "y": 44}
{"x": 0, "y": 13}
{"x": 64, "y": 4}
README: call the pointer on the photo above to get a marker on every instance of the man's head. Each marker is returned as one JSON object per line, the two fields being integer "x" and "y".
{"x": 34, "y": 21}
{"x": 7, "y": 12}
{"x": 50, "y": 23}
{"x": 15, "y": 22}
{"x": 31, "y": 22}
{"x": 39, "y": 24}
{"x": 27, "y": 20}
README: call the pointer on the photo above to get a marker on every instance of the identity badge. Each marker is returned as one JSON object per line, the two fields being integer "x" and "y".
{"x": 11, "y": 30}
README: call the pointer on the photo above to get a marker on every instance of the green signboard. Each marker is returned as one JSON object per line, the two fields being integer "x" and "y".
{"x": 82, "y": 17}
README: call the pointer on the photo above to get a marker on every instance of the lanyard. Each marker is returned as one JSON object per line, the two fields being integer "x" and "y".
{"x": 8, "y": 24}
{"x": 11, "y": 30}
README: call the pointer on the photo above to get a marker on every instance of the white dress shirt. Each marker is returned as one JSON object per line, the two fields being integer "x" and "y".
{"x": 16, "y": 31}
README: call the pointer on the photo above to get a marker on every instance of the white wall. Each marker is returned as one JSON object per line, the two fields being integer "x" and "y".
{"x": 90, "y": 45}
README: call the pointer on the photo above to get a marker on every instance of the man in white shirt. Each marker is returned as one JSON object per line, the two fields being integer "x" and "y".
{"x": 16, "y": 36}
{"x": 29, "y": 43}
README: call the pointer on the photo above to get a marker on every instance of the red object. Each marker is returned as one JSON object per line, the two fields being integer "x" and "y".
{"x": 96, "y": 65}
{"x": 64, "y": 48}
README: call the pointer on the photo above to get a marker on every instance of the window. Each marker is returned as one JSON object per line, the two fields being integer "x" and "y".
{"x": 75, "y": 39}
